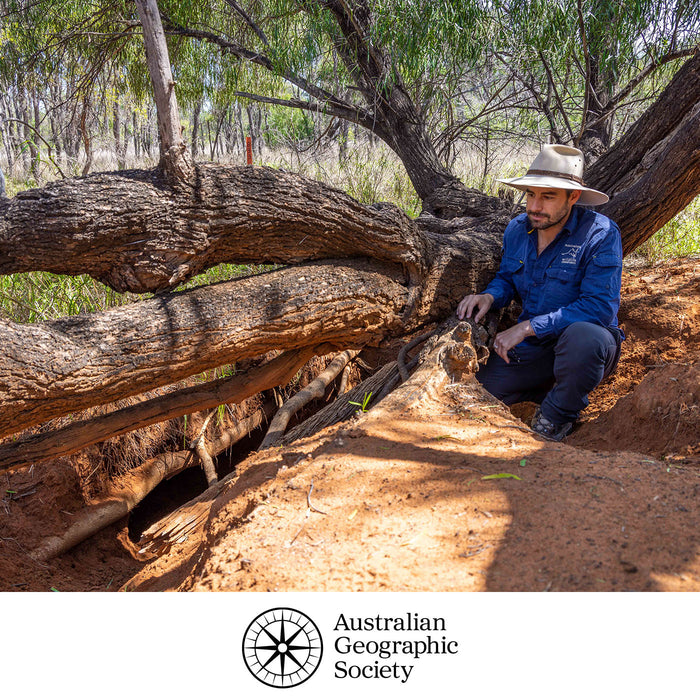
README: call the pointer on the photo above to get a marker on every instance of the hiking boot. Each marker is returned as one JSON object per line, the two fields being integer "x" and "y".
{"x": 548, "y": 430}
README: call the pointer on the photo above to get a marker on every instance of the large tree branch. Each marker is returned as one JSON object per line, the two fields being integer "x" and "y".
{"x": 50, "y": 369}
{"x": 617, "y": 100}
{"x": 352, "y": 114}
{"x": 643, "y": 206}
{"x": 136, "y": 233}
{"x": 611, "y": 172}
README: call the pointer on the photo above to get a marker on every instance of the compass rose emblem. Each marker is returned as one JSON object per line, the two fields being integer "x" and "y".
{"x": 282, "y": 647}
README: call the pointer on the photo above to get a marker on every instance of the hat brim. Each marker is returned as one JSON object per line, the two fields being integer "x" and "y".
{"x": 589, "y": 196}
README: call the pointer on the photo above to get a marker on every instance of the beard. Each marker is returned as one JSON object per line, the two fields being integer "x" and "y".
{"x": 542, "y": 222}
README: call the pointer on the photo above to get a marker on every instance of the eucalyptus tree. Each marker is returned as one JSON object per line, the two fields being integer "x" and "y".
{"x": 589, "y": 67}
{"x": 356, "y": 274}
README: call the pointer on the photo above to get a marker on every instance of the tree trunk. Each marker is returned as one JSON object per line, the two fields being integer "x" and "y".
{"x": 136, "y": 136}
{"x": 195, "y": 127}
{"x": 142, "y": 231}
{"x": 653, "y": 172}
{"x": 119, "y": 146}
{"x": 174, "y": 157}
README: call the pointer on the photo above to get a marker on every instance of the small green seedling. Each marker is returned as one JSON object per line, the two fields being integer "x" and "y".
{"x": 365, "y": 402}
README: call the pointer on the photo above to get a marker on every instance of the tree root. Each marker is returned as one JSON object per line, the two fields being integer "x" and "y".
{"x": 200, "y": 448}
{"x": 314, "y": 390}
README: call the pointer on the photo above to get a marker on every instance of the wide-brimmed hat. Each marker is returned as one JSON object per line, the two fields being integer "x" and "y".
{"x": 560, "y": 167}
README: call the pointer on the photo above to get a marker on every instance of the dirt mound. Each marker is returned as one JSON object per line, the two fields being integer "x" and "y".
{"x": 438, "y": 487}
{"x": 661, "y": 416}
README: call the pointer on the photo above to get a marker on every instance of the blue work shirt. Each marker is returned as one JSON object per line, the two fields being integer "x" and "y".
{"x": 577, "y": 277}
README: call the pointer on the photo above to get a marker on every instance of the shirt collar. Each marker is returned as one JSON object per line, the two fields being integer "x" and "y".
{"x": 572, "y": 222}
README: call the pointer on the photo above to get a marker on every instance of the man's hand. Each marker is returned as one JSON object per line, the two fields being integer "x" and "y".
{"x": 482, "y": 302}
{"x": 505, "y": 340}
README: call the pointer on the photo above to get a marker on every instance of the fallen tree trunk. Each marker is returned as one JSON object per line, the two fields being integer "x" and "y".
{"x": 50, "y": 369}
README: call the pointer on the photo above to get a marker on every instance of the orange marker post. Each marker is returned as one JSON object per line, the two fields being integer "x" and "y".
{"x": 249, "y": 149}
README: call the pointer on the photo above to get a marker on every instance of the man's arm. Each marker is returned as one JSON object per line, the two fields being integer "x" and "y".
{"x": 500, "y": 291}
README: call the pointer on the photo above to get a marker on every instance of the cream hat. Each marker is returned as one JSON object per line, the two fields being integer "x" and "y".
{"x": 560, "y": 167}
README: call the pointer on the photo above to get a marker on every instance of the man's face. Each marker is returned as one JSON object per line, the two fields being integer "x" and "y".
{"x": 547, "y": 207}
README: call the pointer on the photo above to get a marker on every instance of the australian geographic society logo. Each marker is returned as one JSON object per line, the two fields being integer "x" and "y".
{"x": 282, "y": 647}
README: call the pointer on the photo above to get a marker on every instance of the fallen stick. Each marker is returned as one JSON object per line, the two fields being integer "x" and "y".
{"x": 314, "y": 390}
{"x": 200, "y": 397}
{"x": 200, "y": 448}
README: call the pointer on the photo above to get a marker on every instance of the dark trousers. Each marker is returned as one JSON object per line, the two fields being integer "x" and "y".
{"x": 558, "y": 373}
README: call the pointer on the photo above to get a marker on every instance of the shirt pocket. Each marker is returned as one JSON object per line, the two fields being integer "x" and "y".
{"x": 562, "y": 286}
{"x": 564, "y": 275}
{"x": 516, "y": 269}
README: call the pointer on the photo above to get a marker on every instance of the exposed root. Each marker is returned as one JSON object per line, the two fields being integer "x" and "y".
{"x": 401, "y": 360}
{"x": 314, "y": 390}
{"x": 200, "y": 448}
{"x": 141, "y": 482}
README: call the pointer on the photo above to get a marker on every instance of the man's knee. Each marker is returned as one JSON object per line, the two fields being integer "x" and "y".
{"x": 586, "y": 342}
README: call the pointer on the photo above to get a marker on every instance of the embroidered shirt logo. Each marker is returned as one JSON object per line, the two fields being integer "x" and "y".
{"x": 569, "y": 254}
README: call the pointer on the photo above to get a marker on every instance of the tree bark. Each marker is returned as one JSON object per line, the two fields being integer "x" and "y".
{"x": 135, "y": 233}
{"x": 139, "y": 231}
{"x": 653, "y": 172}
{"x": 175, "y": 158}
{"x": 50, "y": 369}
{"x": 163, "y": 232}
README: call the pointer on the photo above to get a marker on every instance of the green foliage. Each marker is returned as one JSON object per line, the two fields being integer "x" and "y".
{"x": 679, "y": 238}
{"x": 364, "y": 403}
{"x": 289, "y": 127}
{"x": 31, "y": 297}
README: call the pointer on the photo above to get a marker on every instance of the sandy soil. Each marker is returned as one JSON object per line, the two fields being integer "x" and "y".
{"x": 439, "y": 488}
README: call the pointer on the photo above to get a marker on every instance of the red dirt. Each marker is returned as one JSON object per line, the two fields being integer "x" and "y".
{"x": 397, "y": 499}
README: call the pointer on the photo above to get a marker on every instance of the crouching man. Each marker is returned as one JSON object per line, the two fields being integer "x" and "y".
{"x": 565, "y": 264}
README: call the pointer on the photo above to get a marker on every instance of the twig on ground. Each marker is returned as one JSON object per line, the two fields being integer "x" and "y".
{"x": 308, "y": 501}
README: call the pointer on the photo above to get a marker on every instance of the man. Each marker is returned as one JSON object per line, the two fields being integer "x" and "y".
{"x": 565, "y": 263}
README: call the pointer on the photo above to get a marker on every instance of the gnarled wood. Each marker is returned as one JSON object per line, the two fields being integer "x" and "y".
{"x": 136, "y": 232}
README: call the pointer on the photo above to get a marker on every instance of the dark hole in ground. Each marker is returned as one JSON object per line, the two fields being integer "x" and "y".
{"x": 175, "y": 492}
{"x": 183, "y": 487}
